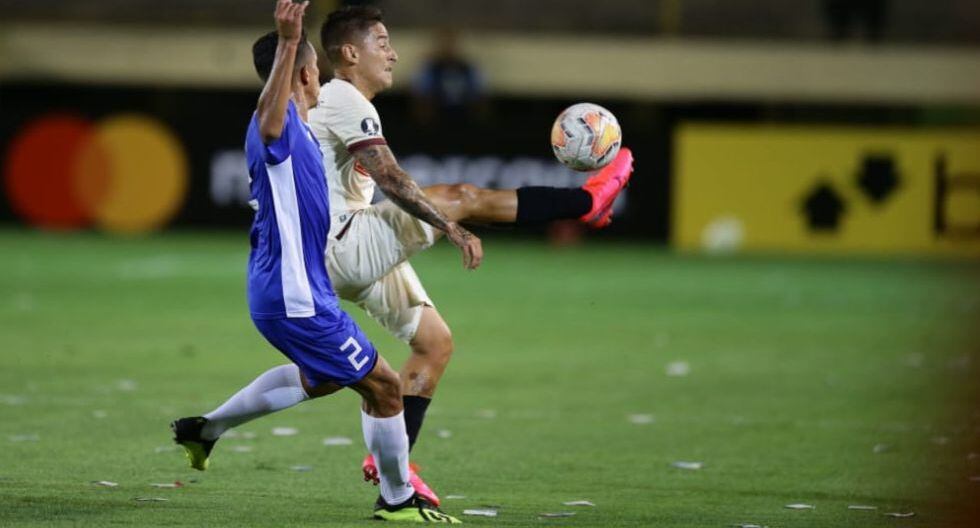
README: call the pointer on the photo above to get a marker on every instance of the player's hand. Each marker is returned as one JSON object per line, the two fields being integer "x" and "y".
{"x": 289, "y": 19}
{"x": 468, "y": 243}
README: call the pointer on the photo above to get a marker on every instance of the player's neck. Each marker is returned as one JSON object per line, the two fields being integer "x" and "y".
{"x": 358, "y": 82}
{"x": 302, "y": 105}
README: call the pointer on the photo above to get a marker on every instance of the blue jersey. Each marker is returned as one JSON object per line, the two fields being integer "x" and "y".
{"x": 287, "y": 274}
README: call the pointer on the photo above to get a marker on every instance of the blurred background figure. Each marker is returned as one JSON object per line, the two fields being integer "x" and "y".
{"x": 448, "y": 89}
{"x": 863, "y": 19}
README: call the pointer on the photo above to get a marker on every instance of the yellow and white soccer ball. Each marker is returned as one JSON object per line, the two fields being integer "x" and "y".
{"x": 586, "y": 137}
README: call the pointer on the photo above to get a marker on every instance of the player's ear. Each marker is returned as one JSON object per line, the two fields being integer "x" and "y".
{"x": 349, "y": 53}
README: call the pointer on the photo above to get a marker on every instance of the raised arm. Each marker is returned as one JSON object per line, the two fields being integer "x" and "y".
{"x": 274, "y": 99}
{"x": 402, "y": 189}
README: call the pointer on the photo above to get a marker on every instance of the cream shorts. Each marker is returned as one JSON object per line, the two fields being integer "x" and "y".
{"x": 369, "y": 266}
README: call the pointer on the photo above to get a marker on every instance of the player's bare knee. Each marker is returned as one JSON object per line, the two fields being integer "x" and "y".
{"x": 436, "y": 346}
{"x": 465, "y": 193}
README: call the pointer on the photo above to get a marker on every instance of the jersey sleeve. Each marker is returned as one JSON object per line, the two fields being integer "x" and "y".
{"x": 351, "y": 117}
{"x": 276, "y": 152}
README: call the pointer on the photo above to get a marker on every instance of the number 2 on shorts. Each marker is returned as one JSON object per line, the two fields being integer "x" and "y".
{"x": 352, "y": 357}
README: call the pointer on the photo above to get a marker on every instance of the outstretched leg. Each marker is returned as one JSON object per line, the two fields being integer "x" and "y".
{"x": 590, "y": 203}
{"x": 274, "y": 390}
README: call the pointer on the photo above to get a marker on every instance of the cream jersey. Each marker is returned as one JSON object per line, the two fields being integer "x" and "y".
{"x": 343, "y": 122}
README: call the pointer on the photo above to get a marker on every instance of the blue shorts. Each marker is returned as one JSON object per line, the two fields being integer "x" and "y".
{"x": 325, "y": 347}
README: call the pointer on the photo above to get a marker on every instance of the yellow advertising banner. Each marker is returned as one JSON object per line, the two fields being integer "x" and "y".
{"x": 826, "y": 189}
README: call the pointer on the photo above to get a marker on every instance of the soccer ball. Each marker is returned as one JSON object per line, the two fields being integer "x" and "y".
{"x": 586, "y": 137}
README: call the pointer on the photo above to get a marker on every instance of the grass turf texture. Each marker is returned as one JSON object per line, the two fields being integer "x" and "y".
{"x": 798, "y": 369}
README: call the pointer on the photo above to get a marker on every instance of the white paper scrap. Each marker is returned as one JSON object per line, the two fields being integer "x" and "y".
{"x": 680, "y": 464}
{"x": 640, "y": 419}
{"x": 881, "y": 448}
{"x": 284, "y": 431}
{"x": 481, "y": 513}
{"x": 579, "y": 503}
{"x": 337, "y": 441}
{"x": 301, "y": 469}
{"x": 678, "y": 369}
{"x": 444, "y": 433}
{"x": 151, "y": 499}
{"x": 799, "y": 506}
{"x": 455, "y": 497}
{"x": 167, "y": 485}
{"x": 126, "y": 385}
{"x": 105, "y": 483}
{"x": 556, "y": 514}
{"x": 242, "y": 449}
{"x": 861, "y": 507}
{"x": 900, "y": 514}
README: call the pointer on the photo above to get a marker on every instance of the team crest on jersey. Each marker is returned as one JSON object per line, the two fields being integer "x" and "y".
{"x": 370, "y": 126}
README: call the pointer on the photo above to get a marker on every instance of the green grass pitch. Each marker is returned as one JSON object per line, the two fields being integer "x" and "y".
{"x": 798, "y": 369}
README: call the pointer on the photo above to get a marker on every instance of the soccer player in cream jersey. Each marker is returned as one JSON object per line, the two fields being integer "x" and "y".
{"x": 370, "y": 245}
{"x": 289, "y": 294}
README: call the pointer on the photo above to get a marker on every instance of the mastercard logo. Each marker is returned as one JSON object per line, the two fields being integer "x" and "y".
{"x": 124, "y": 174}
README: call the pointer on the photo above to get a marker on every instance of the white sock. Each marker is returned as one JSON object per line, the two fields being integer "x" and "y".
{"x": 388, "y": 442}
{"x": 276, "y": 389}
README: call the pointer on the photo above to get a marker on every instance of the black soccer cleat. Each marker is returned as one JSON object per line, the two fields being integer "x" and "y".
{"x": 187, "y": 434}
{"x": 415, "y": 509}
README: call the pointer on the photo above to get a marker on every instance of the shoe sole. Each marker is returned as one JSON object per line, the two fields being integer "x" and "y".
{"x": 416, "y": 515}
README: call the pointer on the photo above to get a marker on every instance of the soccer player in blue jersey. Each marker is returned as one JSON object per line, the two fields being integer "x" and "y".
{"x": 289, "y": 294}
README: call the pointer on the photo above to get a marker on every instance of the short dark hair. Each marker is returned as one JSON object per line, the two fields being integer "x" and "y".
{"x": 264, "y": 54}
{"x": 345, "y": 25}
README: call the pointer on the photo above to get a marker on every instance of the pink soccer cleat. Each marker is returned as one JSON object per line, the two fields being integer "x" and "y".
{"x": 370, "y": 470}
{"x": 420, "y": 486}
{"x": 605, "y": 185}
{"x": 371, "y": 474}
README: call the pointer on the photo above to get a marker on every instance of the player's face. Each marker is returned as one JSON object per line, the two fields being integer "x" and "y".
{"x": 378, "y": 57}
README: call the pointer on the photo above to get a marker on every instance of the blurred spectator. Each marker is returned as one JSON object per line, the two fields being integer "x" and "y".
{"x": 844, "y": 15}
{"x": 448, "y": 89}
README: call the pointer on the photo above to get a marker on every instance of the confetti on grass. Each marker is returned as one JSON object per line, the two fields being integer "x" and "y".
{"x": 680, "y": 464}
{"x": 800, "y": 506}
{"x": 640, "y": 419}
{"x": 167, "y": 485}
{"x": 301, "y": 469}
{"x": 678, "y": 369}
{"x": 455, "y": 497}
{"x": 481, "y": 513}
{"x": 242, "y": 449}
{"x": 105, "y": 483}
{"x": 151, "y": 499}
{"x": 337, "y": 441}
{"x": 579, "y": 503}
{"x": 861, "y": 507}
{"x": 549, "y": 515}
{"x": 900, "y": 515}
{"x": 284, "y": 431}
{"x": 444, "y": 433}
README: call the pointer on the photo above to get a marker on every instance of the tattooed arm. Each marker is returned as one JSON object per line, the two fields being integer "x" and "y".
{"x": 402, "y": 189}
